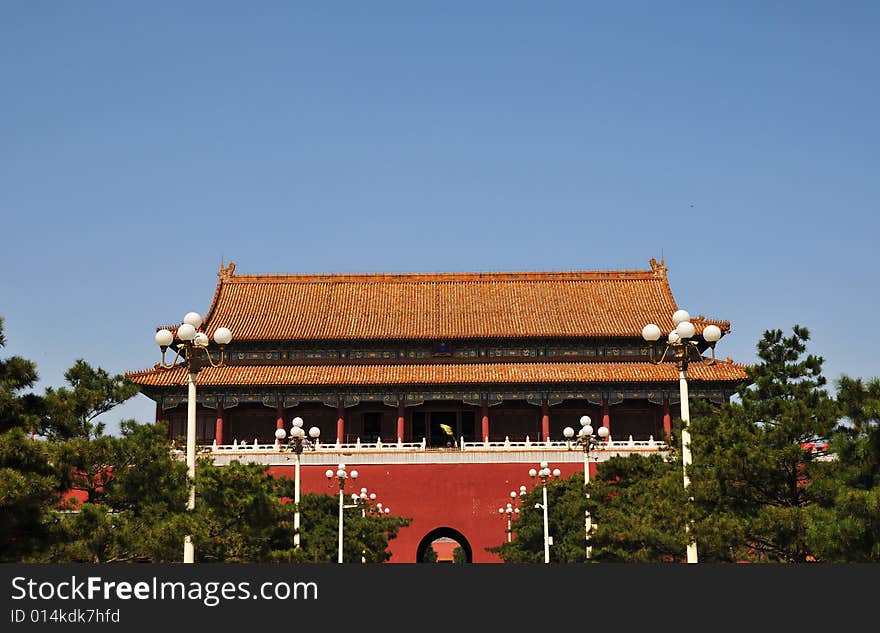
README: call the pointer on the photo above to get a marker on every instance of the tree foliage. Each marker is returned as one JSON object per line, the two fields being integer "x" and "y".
{"x": 131, "y": 501}
{"x": 70, "y": 411}
{"x": 364, "y": 537}
{"x": 845, "y": 521}
{"x": 566, "y": 503}
{"x": 636, "y": 509}
{"x": 245, "y": 514}
{"x": 755, "y": 463}
{"x": 29, "y": 481}
{"x": 638, "y": 506}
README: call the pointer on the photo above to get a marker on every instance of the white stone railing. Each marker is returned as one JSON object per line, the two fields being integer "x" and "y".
{"x": 461, "y": 445}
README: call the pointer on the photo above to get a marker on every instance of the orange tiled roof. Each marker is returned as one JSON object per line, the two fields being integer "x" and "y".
{"x": 441, "y": 374}
{"x": 443, "y": 305}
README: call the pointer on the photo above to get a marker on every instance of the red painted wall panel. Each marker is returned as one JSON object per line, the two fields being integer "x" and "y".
{"x": 464, "y": 497}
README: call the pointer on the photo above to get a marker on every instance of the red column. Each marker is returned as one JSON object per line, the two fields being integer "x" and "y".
{"x": 279, "y": 422}
{"x": 401, "y": 421}
{"x": 667, "y": 419}
{"x": 218, "y": 429}
{"x": 158, "y": 412}
{"x": 485, "y": 425}
{"x": 606, "y": 417}
{"x": 340, "y": 422}
{"x": 545, "y": 421}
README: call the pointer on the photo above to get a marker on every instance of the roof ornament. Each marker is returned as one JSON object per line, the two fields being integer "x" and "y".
{"x": 226, "y": 272}
{"x": 658, "y": 268}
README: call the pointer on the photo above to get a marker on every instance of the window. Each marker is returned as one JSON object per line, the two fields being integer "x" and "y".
{"x": 372, "y": 426}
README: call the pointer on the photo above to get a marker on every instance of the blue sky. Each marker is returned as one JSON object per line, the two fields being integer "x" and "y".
{"x": 142, "y": 144}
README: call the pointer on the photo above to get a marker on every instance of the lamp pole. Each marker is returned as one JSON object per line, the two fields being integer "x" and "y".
{"x": 682, "y": 348}
{"x": 508, "y": 511}
{"x": 366, "y": 502}
{"x": 341, "y": 476}
{"x": 587, "y": 441}
{"x": 193, "y": 349}
{"x": 544, "y": 473}
{"x": 297, "y": 437}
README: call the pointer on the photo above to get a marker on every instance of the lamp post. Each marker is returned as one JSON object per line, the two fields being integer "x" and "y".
{"x": 367, "y": 503}
{"x": 509, "y": 510}
{"x": 193, "y": 349}
{"x": 588, "y": 441}
{"x": 361, "y": 500}
{"x": 341, "y": 475}
{"x": 544, "y": 473}
{"x": 297, "y": 435}
{"x": 683, "y": 350}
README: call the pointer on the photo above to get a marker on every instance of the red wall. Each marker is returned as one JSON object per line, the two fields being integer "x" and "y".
{"x": 464, "y": 497}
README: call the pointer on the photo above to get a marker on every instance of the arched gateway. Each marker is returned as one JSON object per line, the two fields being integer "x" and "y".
{"x": 440, "y": 534}
{"x": 442, "y": 389}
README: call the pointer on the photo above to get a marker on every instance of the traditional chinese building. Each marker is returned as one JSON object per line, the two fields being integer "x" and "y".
{"x": 397, "y": 369}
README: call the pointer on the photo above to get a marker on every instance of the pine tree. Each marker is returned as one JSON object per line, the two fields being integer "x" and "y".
{"x": 134, "y": 499}
{"x": 755, "y": 460}
{"x": 845, "y": 521}
{"x": 29, "y": 481}
{"x": 70, "y": 411}
{"x": 638, "y": 506}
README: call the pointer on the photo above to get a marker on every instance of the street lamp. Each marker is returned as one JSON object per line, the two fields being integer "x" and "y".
{"x": 193, "y": 349}
{"x": 367, "y": 503}
{"x": 297, "y": 435}
{"x": 588, "y": 441}
{"x": 341, "y": 475}
{"x": 544, "y": 473}
{"x": 681, "y": 347}
{"x": 362, "y": 501}
{"x": 509, "y": 510}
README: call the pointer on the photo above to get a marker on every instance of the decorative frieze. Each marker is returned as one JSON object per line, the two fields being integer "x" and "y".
{"x": 464, "y": 351}
{"x": 212, "y": 399}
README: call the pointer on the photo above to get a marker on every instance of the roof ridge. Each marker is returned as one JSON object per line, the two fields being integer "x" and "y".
{"x": 154, "y": 369}
{"x": 406, "y": 364}
{"x": 445, "y": 277}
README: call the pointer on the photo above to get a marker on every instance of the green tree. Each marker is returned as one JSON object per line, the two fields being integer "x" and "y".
{"x": 638, "y": 507}
{"x": 18, "y": 409}
{"x": 237, "y": 512}
{"x": 29, "y": 488}
{"x": 458, "y": 555}
{"x": 244, "y": 514}
{"x": 134, "y": 499}
{"x": 845, "y": 520}
{"x": 29, "y": 481}
{"x": 70, "y": 412}
{"x": 566, "y": 503}
{"x": 430, "y": 555}
{"x": 753, "y": 471}
{"x": 364, "y": 537}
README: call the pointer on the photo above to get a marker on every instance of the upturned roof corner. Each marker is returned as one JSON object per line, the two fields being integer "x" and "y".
{"x": 226, "y": 272}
